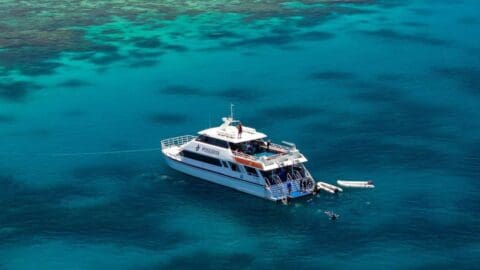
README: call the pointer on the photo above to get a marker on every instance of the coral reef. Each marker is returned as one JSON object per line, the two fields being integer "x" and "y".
{"x": 32, "y": 33}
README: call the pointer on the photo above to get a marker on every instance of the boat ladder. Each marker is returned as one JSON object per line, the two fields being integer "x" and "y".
{"x": 279, "y": 189}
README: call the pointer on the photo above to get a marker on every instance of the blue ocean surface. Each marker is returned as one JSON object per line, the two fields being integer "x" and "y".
{"x": 380, "y": 90}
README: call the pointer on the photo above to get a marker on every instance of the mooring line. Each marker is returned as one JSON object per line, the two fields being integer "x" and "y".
{"x": 87, "y": 153}
{"x": 104, "y": 152}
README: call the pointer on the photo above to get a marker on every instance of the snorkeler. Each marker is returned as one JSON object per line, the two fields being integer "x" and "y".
{"x": 332, "y": 215}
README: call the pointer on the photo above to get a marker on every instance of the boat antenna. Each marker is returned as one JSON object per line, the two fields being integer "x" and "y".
{"x": 231, "y": 111}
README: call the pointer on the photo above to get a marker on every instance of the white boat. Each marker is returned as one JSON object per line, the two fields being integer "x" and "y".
{"x": 356, "y": 184}
{"x": 243, "y": 159}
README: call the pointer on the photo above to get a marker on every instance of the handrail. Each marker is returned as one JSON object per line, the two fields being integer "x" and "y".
{"x": 281, "y": 158}
{"x": 177, "y": 141}
{"x": 241, "y": 154}
{"x": 269, "y": 160}
{"x": 267, "y": 183}
{"x": 279, "y": 146}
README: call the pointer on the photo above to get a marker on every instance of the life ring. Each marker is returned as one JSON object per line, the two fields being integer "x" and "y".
{"x": 309, "y": 184}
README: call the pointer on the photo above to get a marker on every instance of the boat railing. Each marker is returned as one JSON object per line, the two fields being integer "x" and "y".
{"x": 244, "y": 155}
{"x": 177, "y": 141}
{"x": 279, "y": 189}
{"x": 282, "y": 148}
{"x": 230, "y": 135}
{"x": 281, "y": 158}
{"x": 275, "y": 159}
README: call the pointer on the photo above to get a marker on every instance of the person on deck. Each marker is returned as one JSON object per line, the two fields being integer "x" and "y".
{"x": 239, "y": 127}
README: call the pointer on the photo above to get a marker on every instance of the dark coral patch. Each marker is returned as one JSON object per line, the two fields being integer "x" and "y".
{"x": 280, "y": 37}
{"x": 397, "y": 36}
{"x": 6, "y": 119}
{"x": 167, "y": 118}
{"x": 107, "y": 59}
{"x": 112, "y": 32}
{"x": 239, "y": 94}
{"x": 147, "y": 43}
{"x": 74, "y": 83}
{"x": 83, "y": 56}
{"x": 220, "y": 35}
{"x": 181, "y": 90}
{"x": 467, "y": 77}
{"x": 468, "y": 165}
{"x": 468, "y": 20}
{"x": 331, "y": 75}
{"x": 143, "y": 63}
{"x": 144, "y": 55}
{"x": 176, "y": 48}
{"x": 390, "y": 77}
{"x": 74, "y": 113}
{"x": 414, "y": 24}
{"x": 421, "y": 11}
{"x": 289, "y": 112}
{"x": 105, "y": 170}
{"x": 271, "y": 40}
{"x": 40, "y": 68}
{"x": 206, "y": 260}
{"x": 16, "y": 91}
{"x": 315, "y": 36}
{"x": 105, "y": 48}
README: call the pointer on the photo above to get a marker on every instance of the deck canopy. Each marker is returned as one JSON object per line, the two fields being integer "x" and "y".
{"x": 228, "y": 131}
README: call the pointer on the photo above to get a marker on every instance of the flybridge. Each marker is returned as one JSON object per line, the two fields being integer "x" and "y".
{"x": 229, "y": 132}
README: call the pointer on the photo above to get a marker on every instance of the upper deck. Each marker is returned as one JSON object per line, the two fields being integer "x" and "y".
{"x": 229, "y": 132}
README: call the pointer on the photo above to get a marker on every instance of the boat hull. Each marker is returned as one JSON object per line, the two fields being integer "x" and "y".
{"x": 245, "y": 186}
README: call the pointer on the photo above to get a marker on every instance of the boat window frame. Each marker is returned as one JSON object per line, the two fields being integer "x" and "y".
{"x": 234, "y": 166}
{"x": 247, "y": 168}
{"x": 225, "y": 163}
{"x": 213, "y": 141}
{"x": 201, "y": 158}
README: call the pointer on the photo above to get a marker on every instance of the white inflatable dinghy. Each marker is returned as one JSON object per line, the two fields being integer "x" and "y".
{"x": 324, "y": 188}
{"x": 328, "y": 187}
{"x": 356, "y": 184}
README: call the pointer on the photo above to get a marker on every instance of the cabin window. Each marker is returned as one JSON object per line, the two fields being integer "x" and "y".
{"x": 251, "y": 171}
{"x": 212, "y": 141}
{"x": 202, "y": 158}
{"x": 233, "y": 166}
{"x": 224, "y": 163}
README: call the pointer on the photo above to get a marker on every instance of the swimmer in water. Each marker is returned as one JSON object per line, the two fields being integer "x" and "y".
{"x": 332, "y": 215}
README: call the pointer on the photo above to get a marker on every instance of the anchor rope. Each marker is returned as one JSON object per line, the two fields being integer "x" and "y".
{"x": 75, "y": 154}
{"x": 105, "y": 152}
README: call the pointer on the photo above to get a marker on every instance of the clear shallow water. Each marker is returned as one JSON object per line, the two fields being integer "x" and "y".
{"x": 390, "y": 93}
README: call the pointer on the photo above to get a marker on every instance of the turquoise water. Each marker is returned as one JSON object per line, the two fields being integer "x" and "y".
{"x": 388, "y": 91}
